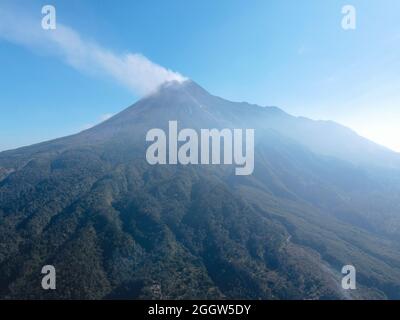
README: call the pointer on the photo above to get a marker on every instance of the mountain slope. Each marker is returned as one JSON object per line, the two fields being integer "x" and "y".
{"x": 116, "y": 227}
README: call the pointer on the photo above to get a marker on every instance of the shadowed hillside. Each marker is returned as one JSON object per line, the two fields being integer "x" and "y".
{"x": 113, "y": 226}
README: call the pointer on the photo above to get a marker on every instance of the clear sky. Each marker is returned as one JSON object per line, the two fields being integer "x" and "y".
{"x": 287, "y": 53}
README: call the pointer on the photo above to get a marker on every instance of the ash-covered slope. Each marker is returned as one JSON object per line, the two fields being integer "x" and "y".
{"x": 116, "y": 227}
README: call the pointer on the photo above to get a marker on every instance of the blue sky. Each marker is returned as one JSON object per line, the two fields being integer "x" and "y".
{"x": 290, "y": 54}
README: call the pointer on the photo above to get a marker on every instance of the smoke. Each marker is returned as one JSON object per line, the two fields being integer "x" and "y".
{"x": 133, "y": 70}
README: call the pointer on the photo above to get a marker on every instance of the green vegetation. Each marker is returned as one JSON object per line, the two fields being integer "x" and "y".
{"x": 115, "y": 227}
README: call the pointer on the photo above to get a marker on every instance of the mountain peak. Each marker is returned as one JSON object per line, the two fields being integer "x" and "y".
{"x": 187, "y": 86}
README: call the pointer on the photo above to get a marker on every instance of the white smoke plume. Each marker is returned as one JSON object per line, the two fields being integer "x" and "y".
{"x": 133, "y": 70}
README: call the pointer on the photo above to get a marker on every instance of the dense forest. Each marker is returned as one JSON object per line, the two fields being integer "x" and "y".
{"x": 116, "y": 227}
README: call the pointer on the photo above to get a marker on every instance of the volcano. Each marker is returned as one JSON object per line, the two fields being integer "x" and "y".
{"x": 115, "y": 227}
